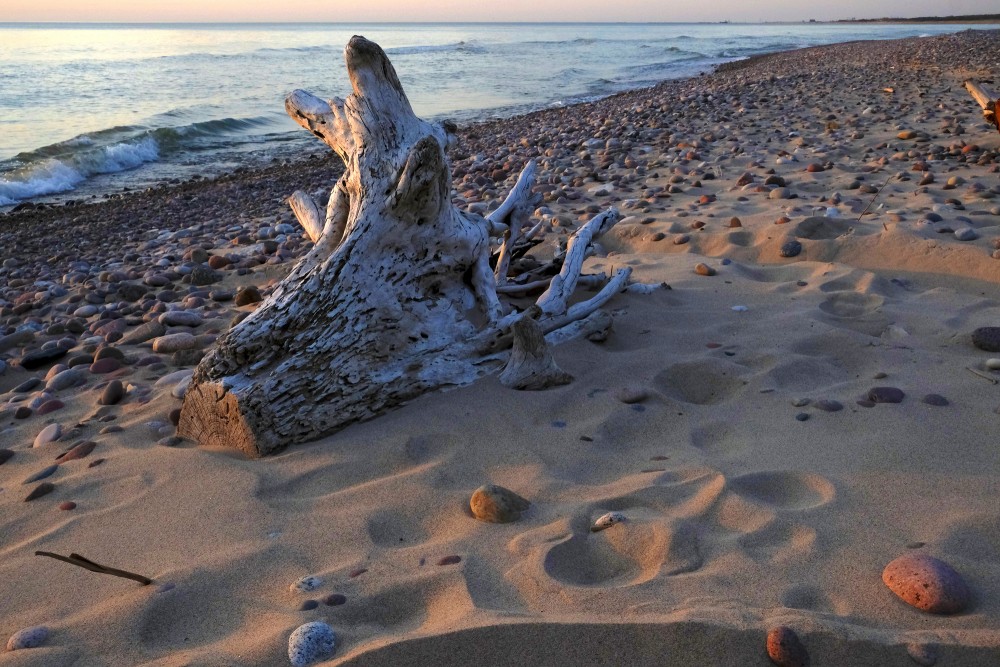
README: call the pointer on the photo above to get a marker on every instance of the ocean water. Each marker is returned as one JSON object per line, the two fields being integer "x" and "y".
{"x": 87, "y": 109}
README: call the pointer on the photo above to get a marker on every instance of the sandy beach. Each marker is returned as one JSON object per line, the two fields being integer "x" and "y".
{"x": 774, "y": 434}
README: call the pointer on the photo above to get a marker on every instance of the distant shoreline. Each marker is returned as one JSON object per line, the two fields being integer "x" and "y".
{"x": 970, "y": 18}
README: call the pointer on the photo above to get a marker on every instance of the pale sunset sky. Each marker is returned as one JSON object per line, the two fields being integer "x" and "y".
{"x": 341, "y": 11}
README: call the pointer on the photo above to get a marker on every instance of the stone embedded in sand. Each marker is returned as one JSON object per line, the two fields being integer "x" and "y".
{"x": 906, "y": 135}
{"x": 310, "y": 643}
{"x": 966, "y": 234}
{"x": 735, "y": 222}
{"x": 41, "y": 474}
{"x": 828, "y": 405}
{"x": 886, "y": 395}
{"x": 779, "y": 193}
{"x": 40, "y": 358}
{"x": 70, "y": 377}
{"x": 112, "y": 394}
{"x": 144, "y": 332}
{"x": 50, "y": 406}
{"x": 308, "y": 605}
{"x": 305, "y": 584}
{"x": 681, "y": 239}
{"x": 79, "y": 451}
{"x": 203, "y": 275}
{"x": 67, "y": 506}
{"x": 925, "y": 655}
{"x": 450, "y": 560}
{"x": 631, "y": 395}
{"x": 26, "y": 386}
{"x": 605, "y": 521}
{"x": 703, "y": 269}
{"x": 22, "y": 412}
{"x": 28, "y": 638}
{"x": 496, "y": 504}
{"x": 42, "y": 489}
{"x": 180, "y": 318}
{"x": 785, "y": 649}
{"x": 248, "y": 295}
{"x": 815, "y": 168}
{"x": 50, "y": 433}
{"x": 935, "y": 399}
{"x": 175, "y": 343}
{"x": 105, "y": 365}
{"x": 987, "y": 338}
{"x": 993, "y": 364}
{"x": 334, "y": 599}
{"x": 927, "y": 583}
{"x": 790, "y": 249}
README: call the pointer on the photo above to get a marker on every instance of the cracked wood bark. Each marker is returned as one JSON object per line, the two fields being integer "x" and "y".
{"x": 396, "y": 298}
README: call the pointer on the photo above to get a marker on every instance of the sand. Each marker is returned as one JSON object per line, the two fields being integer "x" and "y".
{"x": 739, "y": 516}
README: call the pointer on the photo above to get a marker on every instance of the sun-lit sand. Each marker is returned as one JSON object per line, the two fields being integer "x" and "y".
{"x": 760, "y": 486}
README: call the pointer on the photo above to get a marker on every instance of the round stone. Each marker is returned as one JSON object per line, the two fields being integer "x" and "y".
{"x": 791, "y": 249}
{"x": 966, "y": 234}
{"x": 68, "y": 505}
{"x": 112, "y": 394}
{"x": 311, "y": 642}
{"x": 495, "y": 504}
{"x": 50, "y": 433}
{"x": 105, "y": 365}
{"x": 248, "y": 295}
{"x": 936, "y": 400}
{"x": 927, "y": 583}
{"x": 703, "y": 269}
{"x": 886, "y": 395}
{"x": 28, "y": 638}
{"x": 987, "y": 338}
{"x": 785, "y": 649}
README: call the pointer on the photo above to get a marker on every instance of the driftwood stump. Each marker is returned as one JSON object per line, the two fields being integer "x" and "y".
{"x": 400, "y": 294}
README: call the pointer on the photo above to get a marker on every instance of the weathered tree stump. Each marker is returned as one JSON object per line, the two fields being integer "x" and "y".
{"x": 397, "y": 297}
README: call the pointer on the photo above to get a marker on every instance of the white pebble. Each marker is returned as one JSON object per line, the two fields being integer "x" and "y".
{"x": 28, "y": 638}
{"x": 50, "y": 433}
{"x": 306, "y": 584}
{"x": 607, "y": 520}
{"x": 993, "y": 364}
{"x": 311, "y": 642}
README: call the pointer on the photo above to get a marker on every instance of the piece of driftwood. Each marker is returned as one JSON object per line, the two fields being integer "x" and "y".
{"x": 87, "y": 564}
{"x": 987, "y": 99}
{"x": 401, "y": 294}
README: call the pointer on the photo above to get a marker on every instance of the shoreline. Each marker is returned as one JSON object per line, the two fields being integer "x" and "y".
{"x": 760, "y": 489}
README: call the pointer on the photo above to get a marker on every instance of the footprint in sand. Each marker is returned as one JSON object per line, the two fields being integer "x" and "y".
{"x": 784, "y": 490}
{"x": 701, "y": 382}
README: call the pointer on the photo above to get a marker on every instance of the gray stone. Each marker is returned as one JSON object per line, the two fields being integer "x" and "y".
{"x": 50, "y": 433}
{"x": 180, "y": 318}
{"x": 144, "y": 332}
{"x": 28, "y": 638}
{"x": 70, "y": 377}
{"x": 174, "y": 343}
{"x": 311, "y": 642}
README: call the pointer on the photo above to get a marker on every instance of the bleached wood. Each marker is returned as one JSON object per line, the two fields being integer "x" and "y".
{"x": 531, "y": 365}
{"x": 987, "y": 99}
{"x": 396, "y": 298}
{"x": 554, "y": 299}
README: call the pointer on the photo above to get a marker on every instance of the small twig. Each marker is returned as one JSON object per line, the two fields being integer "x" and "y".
{"x": 874, "y": 198}
{"x": 988, "y": 378}
{"x": 80, "y": 561}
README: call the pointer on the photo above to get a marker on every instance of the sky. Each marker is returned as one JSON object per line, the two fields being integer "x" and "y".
{"x": 341, "y": 11}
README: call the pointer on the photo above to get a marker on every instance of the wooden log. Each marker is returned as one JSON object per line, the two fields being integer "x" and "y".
{"x": 987, "y": 99}
{"x": 396, "y": 298}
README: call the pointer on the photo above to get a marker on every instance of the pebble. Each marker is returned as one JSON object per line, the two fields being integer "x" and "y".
{"x": 925, "y": 655}
{"x": 308, "y": 605}
{"x": 927, "y": 583}
{"x": 785, "y": 649}
{"x": 41, "y": 474}
{"x": 450, "y": 560}
{"x": 175, "y": 343}
{"x": 42, "y": 489}
{"x": 80, "y": 451}
{"x": 987, "y": 339}
{"x": 67, "y": 506}
{"x": 305, "y": 584}
{"x": 966, "y": 234}
{"x": 703, "y": 269}
{"x": 144, "y": 332}
{"x": 50, "y": 406}
{"x": 28, "y": 638}
{"x": 935, "y": 399}
{"x": 993, "y": 364}
{"x": 311, "y": 642}
{"x": 112, "y": 394}
{"x": 800, "y": 402}
{"x": 50, "y": 433}
{"x": 828, "y": 405}
{"x": 247, "y": 296}
{"x": 70, "y": 377}
{"x": 180, "y": 318}
{"x": 40, "y": 358}
{"x": 170, "y": 441}
{"x": 802, "y": 416}
{"x": 791, "y": 249}
{"x": 95, "y": 463}
{"x": 605, "y": 521}
{"x": 334, "y": 600}
{"x": 631, "y": 395}
{"x": 886, "y": 395}
{"x": 496, "y": 504}
{"x": 27, "y": 386}
{"x": 105, "y": 365}
{"x": 22, "y": 412}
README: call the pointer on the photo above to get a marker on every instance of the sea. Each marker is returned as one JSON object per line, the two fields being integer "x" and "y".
{"x": 89, "y": 110}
